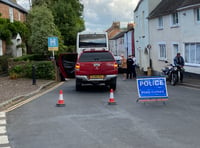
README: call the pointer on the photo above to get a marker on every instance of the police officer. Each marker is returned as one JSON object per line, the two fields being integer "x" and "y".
{"x": 129, "y": 67}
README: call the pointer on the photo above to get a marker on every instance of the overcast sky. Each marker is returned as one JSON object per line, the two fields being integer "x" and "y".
{"x": 100, "y": 14}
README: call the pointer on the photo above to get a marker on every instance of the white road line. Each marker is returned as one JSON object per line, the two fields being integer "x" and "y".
{"x": 4, "y": 140}
{"x": 2, "y": 114}
{"x": 2, "y": 129}
{"x": 3, "y": 121}
{"x": 32, "y": 98}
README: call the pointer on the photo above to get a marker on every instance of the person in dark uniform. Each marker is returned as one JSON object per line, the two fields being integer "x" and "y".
{"x": 129, "y": 67}
{"x": 179, "y": 62}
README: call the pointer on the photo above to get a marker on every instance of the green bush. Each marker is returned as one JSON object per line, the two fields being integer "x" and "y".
{"x": 43, "y": 70}
{"x": 31, "y": 57}
{"x": 4, "y": 63}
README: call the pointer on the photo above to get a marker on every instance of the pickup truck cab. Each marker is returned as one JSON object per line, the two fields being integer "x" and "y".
{"x": 95, "y": 67}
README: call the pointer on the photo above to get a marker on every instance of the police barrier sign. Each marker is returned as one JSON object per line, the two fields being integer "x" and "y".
{"x": 152, "y": 89}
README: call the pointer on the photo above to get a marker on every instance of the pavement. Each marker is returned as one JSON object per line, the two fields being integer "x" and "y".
{"x": 12, "y": 91}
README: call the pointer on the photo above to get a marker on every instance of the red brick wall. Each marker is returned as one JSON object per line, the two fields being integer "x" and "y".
{"x": 4, "y": 10}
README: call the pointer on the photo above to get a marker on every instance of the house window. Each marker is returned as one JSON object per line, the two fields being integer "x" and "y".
{"x": 1, "y": 48}
{"x": 162, "y": 51}
{"x": 197, "y": 14}
{"x": 175, "y": 19}
{"x": 19, "y": 16}
{"x": 175, "y": 49}
{"x": 11, "y": 15}
{"x": 160, "y": 22}
{"x": 192, "y": 53}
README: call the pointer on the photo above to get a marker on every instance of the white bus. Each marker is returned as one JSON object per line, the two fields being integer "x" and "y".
{"x": 91, "y": 41}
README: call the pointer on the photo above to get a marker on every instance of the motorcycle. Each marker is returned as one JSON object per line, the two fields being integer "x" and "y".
{"x": 172, "y": 73}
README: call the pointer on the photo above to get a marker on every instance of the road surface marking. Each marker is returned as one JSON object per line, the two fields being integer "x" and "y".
{"x": 4, "y": 140}
{"x": 2, "y": 114}
{"x": 2, "y": 129}
{"x": 32, "y": 98}
{"x": 2, "y": 122}
{"x": 3, "y": 137}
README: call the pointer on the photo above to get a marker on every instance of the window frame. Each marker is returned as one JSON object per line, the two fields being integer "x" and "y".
{"x": 11, "y": 14}
{"x": 160, "y": 22}
{"x": 197, "y": 15}
{"x": 1, "y": 47}
{"x": 175, "y": 19}
{"x": 191, "y": 48}
{"x": 162, "y": 55}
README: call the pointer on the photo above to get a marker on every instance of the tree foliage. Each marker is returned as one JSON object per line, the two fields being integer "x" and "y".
{"x": 67, "y": 17}
{"x": 41, "y": 22}
{"x": 8, "y": 30}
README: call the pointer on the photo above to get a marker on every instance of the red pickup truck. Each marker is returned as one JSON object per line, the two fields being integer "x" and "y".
{"x": 96, "y": 67}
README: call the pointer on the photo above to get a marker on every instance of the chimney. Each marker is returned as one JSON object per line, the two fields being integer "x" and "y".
{"x": 116, "y": 25}
{"x": 15, "y": 1}
{"x": 130, "y": 26}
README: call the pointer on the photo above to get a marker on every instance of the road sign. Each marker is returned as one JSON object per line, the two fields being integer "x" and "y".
{"x": 52, "y": 43}
{"x": 152, "y": 89}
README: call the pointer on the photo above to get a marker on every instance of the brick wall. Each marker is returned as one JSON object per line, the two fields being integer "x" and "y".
{"x": 17, "y": 16}
{"x": 4, "y": 10}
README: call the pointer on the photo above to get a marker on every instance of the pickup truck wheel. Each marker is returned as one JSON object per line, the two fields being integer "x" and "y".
{"x": 78, "y": 85}
{"x": 113, "y": 84}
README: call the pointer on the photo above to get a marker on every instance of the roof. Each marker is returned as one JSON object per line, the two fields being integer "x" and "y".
{"x": 166, "y": 7}
{"x": 138, "y": 5}
{"x": 190, "y": 2}
{"x": 13, "y": 4}
{"x": 119, "y": 35}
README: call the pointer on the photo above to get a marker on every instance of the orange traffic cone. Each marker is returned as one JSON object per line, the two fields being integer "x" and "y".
{"x": 61, "y": 101}
{"x": 111, "y": 101}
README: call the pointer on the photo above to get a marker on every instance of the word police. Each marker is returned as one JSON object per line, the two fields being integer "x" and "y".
{"x": 156, "y": 82}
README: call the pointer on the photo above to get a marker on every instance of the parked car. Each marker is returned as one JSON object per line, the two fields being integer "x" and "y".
{"x": 96, "y": 67}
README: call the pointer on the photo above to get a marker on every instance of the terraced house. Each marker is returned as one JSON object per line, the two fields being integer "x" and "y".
{"x": 173, "y": 26}
{"x": 11, "y": 10}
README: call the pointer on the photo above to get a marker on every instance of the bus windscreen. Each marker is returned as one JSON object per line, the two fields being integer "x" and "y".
{"x": 92, "y": 40}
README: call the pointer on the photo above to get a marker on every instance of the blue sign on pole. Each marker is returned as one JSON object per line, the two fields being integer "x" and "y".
{"x": 152, "y": 89}
{"x": 53, "y": 43}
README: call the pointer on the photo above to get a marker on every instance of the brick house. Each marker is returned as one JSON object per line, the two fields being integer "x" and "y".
{"x": 11, "y": 10}
{"x": 113, "y": 30}
{"x": 123, "y": 42}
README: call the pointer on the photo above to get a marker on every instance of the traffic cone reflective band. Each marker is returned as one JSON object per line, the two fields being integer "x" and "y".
{"x": 111, "y": 100}
{"x": 61, "y": 101}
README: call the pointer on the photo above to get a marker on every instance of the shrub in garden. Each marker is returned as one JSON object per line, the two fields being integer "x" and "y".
{"x": 43, "y": 70}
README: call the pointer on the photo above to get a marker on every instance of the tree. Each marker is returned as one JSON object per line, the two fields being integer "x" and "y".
{"x": 41, "y": 22}
{"x": 67, "y": 17}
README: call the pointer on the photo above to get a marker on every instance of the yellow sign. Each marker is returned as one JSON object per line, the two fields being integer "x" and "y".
{"x": 53, "y": 48}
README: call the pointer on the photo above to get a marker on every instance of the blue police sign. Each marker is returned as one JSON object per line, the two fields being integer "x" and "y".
{"x": 152, "y": 88}
{"x": 52, "y": 43}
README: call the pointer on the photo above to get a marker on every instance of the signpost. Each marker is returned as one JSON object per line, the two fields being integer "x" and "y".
{"x": 152, "y": 89}
{"x": 53, "y": 44}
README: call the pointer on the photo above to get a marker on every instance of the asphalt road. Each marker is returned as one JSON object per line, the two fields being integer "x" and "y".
{"x": 87, "y": 121}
